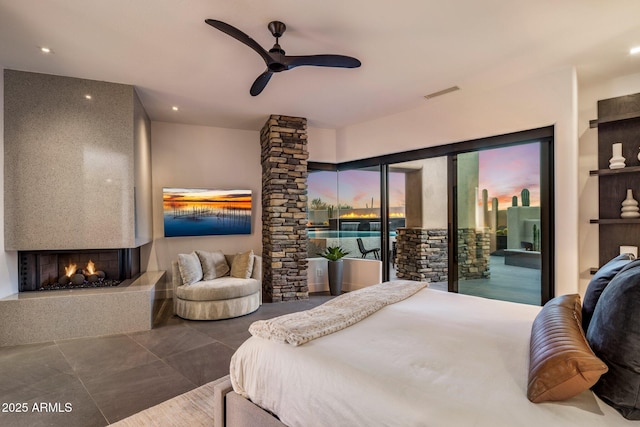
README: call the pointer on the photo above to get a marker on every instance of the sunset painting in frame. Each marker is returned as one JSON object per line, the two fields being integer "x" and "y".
{"x": 205, "y": 212}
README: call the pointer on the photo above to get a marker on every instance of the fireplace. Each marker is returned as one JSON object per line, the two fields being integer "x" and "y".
{"x": 73, "y": 269}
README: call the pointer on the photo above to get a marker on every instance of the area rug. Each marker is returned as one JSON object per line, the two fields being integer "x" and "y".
{"x": 191, "y": 409}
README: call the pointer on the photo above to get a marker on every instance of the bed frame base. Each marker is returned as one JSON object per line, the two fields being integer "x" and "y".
{"x": 233, "y": 410}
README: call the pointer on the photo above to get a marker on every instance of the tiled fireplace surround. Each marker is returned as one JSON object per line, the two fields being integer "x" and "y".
{"x": 77, "y": 177}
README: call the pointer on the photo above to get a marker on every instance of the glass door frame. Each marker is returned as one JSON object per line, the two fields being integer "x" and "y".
{"x": 544, "y": 135}
{"x": 546, "y": 207}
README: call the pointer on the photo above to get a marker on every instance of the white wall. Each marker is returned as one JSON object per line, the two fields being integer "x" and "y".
{"x": 426, "y": 192}
{"x": 321, "y": 144}
{"x": 8, "y": 259}
{"x": 202, "y": 157}
{"x": 544, "y": 100}
{"x": 434, "y": 193}
{"x": 588, "y": 160}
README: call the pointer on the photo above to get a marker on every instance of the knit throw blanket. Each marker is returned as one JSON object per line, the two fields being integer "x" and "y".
{"x": 334, "y": 315}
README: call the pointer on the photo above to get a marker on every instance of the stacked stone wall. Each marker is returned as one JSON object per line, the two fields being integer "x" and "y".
{"x": 474, "y": 248}
{"x": 284, "y": 208}
{"x": 422, "y": 254}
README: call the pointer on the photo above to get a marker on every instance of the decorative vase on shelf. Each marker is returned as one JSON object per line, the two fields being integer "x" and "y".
{"x": 630, "y": 206}
{"x": 616, "y": 161}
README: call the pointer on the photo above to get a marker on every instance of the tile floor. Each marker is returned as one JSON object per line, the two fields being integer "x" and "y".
{"x": 97, "y": 381}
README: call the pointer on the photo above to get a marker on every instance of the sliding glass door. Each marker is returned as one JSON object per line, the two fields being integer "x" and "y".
{"x": 418, "y": 201}
{"x": 474, "y": 217}
{"x": 359, "y": 221}
{"x": 498, "y": 227}
{"x": 344, "y": 209}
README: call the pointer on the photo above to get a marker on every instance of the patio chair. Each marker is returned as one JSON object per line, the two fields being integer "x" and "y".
{"x": 365, "y": 252}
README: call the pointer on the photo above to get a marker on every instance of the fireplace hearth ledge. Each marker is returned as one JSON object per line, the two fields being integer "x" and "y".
{"x": 35, "y": 317}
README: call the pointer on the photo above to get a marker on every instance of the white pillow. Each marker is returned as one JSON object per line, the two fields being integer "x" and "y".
{"x": 214, "y": 264}
{"x": 242, "y": 265}
{"x": 190, "y": 268}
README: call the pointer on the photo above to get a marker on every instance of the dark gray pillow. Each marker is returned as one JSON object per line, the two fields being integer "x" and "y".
{"x": 597, "y": 284}
{"x": 614, "y": 336}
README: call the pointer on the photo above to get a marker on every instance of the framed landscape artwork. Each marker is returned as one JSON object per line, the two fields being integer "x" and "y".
{"x": 206, "y": 212}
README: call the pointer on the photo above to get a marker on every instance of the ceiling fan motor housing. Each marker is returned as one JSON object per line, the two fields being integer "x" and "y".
{"x": 277, "y": 28}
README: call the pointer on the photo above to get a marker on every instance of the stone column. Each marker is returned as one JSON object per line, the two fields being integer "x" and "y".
{"x": 284, "y": 208}
{"x": 473, "y": 253}
{"x": 422, "y": 254}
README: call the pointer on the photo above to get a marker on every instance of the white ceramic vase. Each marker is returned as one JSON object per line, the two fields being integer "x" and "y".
{"x": 630, "y": 206}
{"x": 617, "y": 160}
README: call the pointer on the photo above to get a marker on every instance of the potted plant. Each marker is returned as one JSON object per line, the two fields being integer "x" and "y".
{"x": 334, "y": 255}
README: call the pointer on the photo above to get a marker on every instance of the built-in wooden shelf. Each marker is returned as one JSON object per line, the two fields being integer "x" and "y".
{"x": 618, "y": 122}
{"x": 618, "y": 117}
{"x": 602, "y": 221}
{"x": 615, "y": 118}
{"x": 603, "y": 172}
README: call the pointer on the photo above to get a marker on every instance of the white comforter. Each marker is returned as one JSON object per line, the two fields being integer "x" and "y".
{"x": 435, "y": 359}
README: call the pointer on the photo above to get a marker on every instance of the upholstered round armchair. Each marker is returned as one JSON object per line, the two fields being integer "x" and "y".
{"x": 213, "y": 285}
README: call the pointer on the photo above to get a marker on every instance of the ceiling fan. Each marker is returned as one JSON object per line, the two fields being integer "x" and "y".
{"x": 275, "y": 58}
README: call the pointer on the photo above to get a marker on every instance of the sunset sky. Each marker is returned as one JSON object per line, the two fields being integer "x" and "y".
{"x": 504, "y": 172}
{"x": 356, "y": 188}
{"x": 205, "y": 195}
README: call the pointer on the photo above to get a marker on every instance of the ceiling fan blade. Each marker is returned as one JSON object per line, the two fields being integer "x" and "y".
{"x": 260, "y": 83}
{"x": 340, "y": 61}
{"x": 240, "y": 36}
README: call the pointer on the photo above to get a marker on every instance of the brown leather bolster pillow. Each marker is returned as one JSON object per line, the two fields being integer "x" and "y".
{"x": 561, "y": 363}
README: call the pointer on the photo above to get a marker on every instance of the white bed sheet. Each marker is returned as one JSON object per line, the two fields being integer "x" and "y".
{"x": 435, "y": 359}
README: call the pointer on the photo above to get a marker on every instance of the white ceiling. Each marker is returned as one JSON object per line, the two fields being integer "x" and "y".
{"x": 408, "y": 48}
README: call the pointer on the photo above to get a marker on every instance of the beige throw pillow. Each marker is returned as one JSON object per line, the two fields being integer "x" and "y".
{"x": 214, "y": 264}
{"x": 190, "y": 268}
{"x": 242, "y": 265}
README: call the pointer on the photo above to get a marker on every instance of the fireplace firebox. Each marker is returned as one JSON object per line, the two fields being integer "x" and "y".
{"x": 71, "y": 269}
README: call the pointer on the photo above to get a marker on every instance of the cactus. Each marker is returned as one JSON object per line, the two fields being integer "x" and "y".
{"x": 485, "y": 207}
{"x": 514, "y": 201}
{"x": 330, "y": 211}
{"x": 494, "y": 212}
{"x": 525, "y": 197}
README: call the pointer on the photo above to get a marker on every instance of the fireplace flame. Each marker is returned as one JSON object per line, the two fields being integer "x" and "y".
{"x": 70, "y": 270}
{"x": 91, "y": 268}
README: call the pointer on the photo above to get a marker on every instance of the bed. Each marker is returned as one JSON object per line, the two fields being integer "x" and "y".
{"x": 432, "y": 359}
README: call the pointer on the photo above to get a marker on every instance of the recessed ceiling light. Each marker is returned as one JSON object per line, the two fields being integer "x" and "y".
{"x": 87, "y": 96}
{"x": 45, "y": 49}
{"x": 175, "y": 108}
{"x": 634, "y": 50}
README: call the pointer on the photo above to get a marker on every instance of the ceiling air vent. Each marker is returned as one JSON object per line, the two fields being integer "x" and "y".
{"x": 441, "y": 92}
